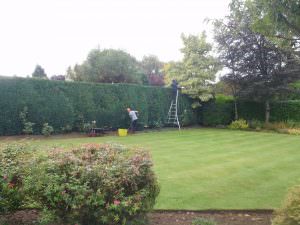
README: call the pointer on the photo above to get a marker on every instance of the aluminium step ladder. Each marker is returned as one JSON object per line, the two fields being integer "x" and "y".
{"x": 173, "y": 112}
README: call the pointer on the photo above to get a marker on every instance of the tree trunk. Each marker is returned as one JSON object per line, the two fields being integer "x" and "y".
{"x": 267, "y": 111}
{"x": 236, "y": 115}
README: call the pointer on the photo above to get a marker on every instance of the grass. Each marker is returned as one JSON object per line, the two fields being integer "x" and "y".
{"x": 212, "y": 168}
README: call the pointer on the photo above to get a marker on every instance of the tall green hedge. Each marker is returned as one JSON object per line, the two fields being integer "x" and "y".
{"x": 218, "y": 112}
{"x": 71, "y": 103}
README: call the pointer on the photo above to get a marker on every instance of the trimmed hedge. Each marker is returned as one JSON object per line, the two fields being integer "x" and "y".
{"x": 217, "y": 112}
{"x": 221, "y": 112}
{"x": 63, "y": 104}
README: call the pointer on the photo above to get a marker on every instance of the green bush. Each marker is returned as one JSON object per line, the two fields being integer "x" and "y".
{"x": 255, "y": 124}
{"x": 72, "y": 104}
{"x": 203, "y": 221}
{"x": 27, "y": 126}
{"x": 239, "y": 124}
{"x": 217, "y": 112}
{"x": 47, "y": 130}
{"x": 289, "y": 213}
{"x": 93, "y": 184}
{"x": 12, "y": 172}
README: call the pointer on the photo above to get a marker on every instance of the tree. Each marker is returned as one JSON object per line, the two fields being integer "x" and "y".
{"x": 153, "y": 69}
{"x": 39, "y": 72}
{"x": 197, "y": 70}
{"x": 107, "y": 66}
{"x": 277, "y": 19}
{"x": 258, "y": 69}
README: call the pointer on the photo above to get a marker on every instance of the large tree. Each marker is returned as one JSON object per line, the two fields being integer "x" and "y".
{"x": 277, "y": 19}
{"x": 153, "y": 70}
{"x": 197, "y": 70}
{"x": 39, "y": 72}
{"x": 107, "y": 66}
{"x": 258, "y": 69}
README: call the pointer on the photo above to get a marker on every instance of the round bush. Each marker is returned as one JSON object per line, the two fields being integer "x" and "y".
{"x": 289, "y": 214}
{"x": 94, "y": 184}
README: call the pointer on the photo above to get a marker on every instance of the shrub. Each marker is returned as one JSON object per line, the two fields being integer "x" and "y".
{"x": 255, "y": 124}
{"x": 94, "y": 184}
{"x": 66, "y": 129}
{"x": 47, "y": 130}
{"x": 239, "y": 124}
{"x": 203, "y": 221}
{"x": 12, "y": 171}
{"x": 27, "y": 126}
{"x": 289, "y": 213}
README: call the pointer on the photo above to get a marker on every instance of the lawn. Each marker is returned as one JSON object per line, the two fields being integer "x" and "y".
{"x": 213, "y": 168}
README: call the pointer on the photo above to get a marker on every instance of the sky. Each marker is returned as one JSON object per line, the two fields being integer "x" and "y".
{"x": 59, "y": 33}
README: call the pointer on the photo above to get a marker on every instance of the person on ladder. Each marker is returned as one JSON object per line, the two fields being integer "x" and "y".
{"x": 174, "y": 86}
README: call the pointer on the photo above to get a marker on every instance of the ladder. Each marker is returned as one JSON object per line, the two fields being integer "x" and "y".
{"x": 173, "y": 113}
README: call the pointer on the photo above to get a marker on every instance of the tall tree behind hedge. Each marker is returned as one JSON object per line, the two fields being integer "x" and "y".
{"x": 153, "y": 69}
{"x": 255, "y": 63}
{"x": 39, "y": 72}
{"x": 197, "y": 70}
{"x": 107, "y": 66}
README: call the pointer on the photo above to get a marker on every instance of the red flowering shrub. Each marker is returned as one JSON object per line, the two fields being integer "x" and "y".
{"x": 94, "y": 184}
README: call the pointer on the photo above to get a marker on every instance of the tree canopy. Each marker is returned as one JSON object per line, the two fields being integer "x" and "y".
{"x": 257, "y": 68}
{"x": 197, "y": 70}
{"x": 39, "y": 72}
{"x": 107, "y": 66}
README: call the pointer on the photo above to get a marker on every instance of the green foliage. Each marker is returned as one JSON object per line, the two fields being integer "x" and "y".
{"x": 63, "y": 104}
{"x": 289, "y": 213}
{"x": 255, "y": 124}
{"x": 39, "y": 72}
{"x": 217, "y": 112}
{"x": 238, "y": 125}
{"x": 12, "y": 171}
{"x": 203, "y": 221}
{"x": 28, "y": 126}
{"x": 94, "y": 184}
{"x": 47, "y": 130}
{"x": 197, "y": 69}
{"x": 277, "y": 19}
{"x": 107, "y": 66}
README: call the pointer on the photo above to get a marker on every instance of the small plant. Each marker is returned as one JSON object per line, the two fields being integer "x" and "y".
{"x": 239, "y": 124}
{"x": 203, "y": 221}
{"x": 255, "y": 124}
{"x": 47, "y": 130}
{"x": 289, "y": 214}
{"x": 27, "y": 126}
{"x": 66, "y": 129}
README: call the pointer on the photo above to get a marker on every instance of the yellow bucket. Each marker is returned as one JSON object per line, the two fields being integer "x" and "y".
{"x": 122, "y": 132}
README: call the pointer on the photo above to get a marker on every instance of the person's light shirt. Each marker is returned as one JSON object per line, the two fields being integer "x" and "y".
{"x": 132, "y": 115}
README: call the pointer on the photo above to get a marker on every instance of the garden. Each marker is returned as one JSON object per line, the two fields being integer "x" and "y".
{"x": 196, "y": 169}
{"x": 230, "y": 158}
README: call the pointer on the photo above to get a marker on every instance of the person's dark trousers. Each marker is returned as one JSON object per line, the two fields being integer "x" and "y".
{"x": 133, "y": 126}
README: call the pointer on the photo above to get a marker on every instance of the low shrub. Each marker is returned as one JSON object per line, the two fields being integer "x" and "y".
{"x": 27, "y": 126}
{"x": 239, "y": 124}
{"x": 94, "y": 184}
{"x": 255, "y": 124}
{"x": 12, "y": 172}
{"x": 289, "y": 214}
{"x": 292, "y": 131}
{"x": 47, "y": 130}
{"x": 203, "y": 221}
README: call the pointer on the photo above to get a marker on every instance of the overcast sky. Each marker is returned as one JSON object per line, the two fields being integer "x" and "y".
{"x": 60, "y": 33}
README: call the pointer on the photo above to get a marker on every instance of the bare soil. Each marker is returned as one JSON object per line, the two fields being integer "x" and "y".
{"x": 226, "y": 217}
